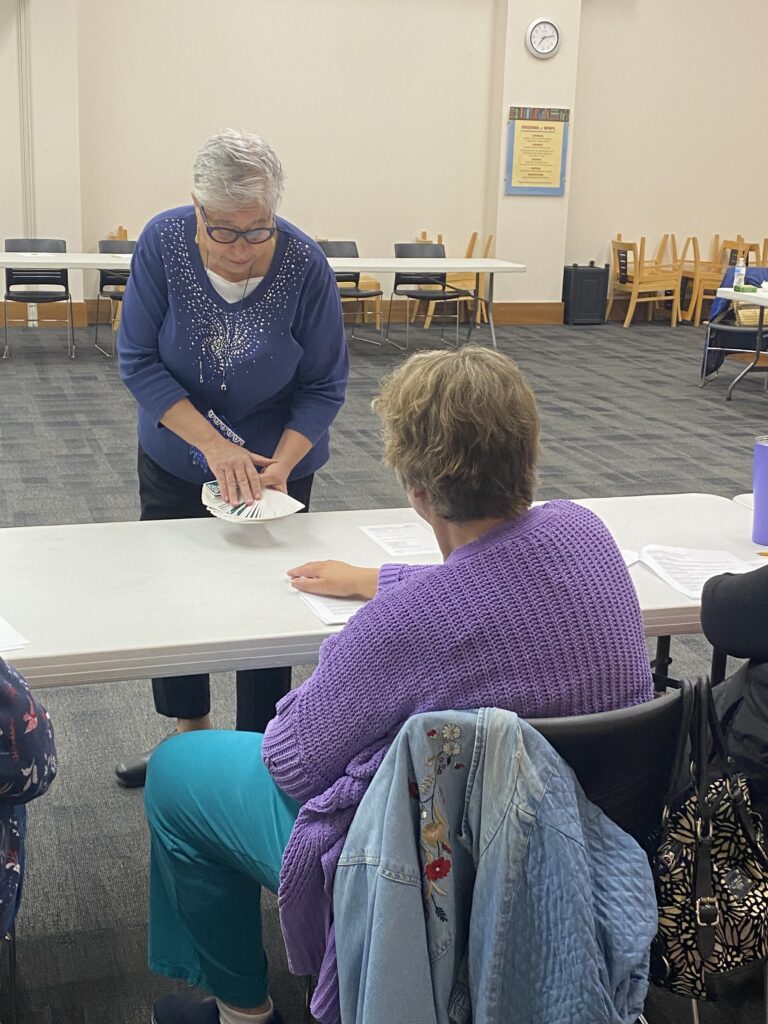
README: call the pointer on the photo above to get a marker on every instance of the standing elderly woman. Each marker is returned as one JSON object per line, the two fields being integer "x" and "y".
{"x": 232, "y": 342}
{"x": 532, "y": 611}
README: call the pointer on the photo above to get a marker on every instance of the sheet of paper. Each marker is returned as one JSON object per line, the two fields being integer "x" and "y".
{"x": 629, "y": 556}
{"x": 403, "y": 539}
{"x": 688, "y": 569}
{"x": 333, "y": 611}
{"x": 10, "y": 638}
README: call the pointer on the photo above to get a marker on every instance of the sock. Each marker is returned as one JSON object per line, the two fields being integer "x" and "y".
{"x": 229, "y": 1016}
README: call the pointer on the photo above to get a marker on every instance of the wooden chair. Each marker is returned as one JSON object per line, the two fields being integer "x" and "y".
{"x": 764, "y": 254}
{"x": 728, "y": 254}
{"x": 642, "y": 281}
{"x": 462, "y": 281}
{"x": 693, "y": 267}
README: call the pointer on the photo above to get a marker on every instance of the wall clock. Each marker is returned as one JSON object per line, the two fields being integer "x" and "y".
{"x": 542, "y": 37}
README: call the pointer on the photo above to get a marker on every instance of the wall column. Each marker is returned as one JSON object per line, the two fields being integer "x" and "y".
{"x": 530, "y": 229}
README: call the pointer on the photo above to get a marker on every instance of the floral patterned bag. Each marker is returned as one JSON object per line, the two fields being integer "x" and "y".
{"x": 710, "y": 867}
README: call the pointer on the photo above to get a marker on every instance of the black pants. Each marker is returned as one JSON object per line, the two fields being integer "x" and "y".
{"x": 165, "y": 496}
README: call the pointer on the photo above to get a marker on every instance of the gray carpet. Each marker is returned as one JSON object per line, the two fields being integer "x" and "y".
{"x": 622, "y": 414}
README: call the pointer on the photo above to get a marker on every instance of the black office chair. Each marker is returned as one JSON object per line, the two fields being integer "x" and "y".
{"x": 624, "y": 761}
{"x": 425, "y": 287}
{"x": 22, "y": 281}
{"x": 111, "y": 285}
{"x": 350, "y": 286}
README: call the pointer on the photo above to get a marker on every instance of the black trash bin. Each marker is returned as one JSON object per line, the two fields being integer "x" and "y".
{"x": 585, "y": 294}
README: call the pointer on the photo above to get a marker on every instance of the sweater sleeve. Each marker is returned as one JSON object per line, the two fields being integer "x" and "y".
{"x": 365, "y": 685}
{"x": 27, "y": 750}
{"x": 734, "y": 614}
{"x": 321, "y": 376}
{"x": 145, "y": 306}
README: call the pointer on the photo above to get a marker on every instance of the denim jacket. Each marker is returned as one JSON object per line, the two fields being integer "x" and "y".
{"x": 477, "y": 883}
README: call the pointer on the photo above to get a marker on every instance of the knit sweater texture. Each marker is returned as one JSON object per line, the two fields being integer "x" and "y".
{"x": 538, "y": 616}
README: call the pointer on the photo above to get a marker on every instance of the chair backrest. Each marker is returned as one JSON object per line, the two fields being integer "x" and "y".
{"x": 628, "y": 258}
{"x": 623, "y": 759}
{"x": 342, "y": 249}
{"x": 470, "y": 250}
{"x": 488, "y": 247}
{"x": 115, "y": 278}
{"x": 419, "y": 250}
{"x": 15, "y": 277}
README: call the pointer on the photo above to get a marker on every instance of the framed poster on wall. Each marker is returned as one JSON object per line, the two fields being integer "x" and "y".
{"x": 537, "y": 147}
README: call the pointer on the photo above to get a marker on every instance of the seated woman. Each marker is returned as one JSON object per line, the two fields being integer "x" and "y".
{"x": 27, "y": 768}
{"x": 532, "y": 610}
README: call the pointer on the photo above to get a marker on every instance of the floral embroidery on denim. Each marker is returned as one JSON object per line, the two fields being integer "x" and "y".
{"x": 435, "y": 836}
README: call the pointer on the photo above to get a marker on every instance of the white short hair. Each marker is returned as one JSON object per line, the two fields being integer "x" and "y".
{"x": 236, "y": 169}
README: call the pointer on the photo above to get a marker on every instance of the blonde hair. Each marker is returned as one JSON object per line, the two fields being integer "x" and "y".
{"x": 463, "y": 427}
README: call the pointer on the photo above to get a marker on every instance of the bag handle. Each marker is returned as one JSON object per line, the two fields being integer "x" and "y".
{"x": 687, "y": 690}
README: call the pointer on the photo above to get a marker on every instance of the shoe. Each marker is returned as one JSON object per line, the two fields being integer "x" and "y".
{"x": 183, "y": 1008}
{"x": 132, "y": 772}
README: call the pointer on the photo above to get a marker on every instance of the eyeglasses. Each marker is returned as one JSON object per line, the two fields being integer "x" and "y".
{"x": 229, "y": 235}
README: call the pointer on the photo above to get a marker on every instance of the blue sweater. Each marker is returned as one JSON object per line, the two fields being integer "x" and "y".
{"x": 276, "y": 360}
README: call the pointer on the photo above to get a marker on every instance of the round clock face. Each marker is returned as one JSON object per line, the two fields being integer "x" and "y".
{"x": 543, "y": 38}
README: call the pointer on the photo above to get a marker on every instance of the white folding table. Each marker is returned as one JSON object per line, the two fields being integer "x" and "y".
{"x": 756, "y": 298}
{"x": 361, "y": 264}
{"x": 446, "y": 265}
{"x": 126, "y": 600}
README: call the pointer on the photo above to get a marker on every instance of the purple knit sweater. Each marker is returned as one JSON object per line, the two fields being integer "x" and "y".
{"x": 537, "y": 616}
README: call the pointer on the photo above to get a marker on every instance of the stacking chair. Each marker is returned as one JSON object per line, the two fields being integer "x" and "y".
{"x": 693, "y": 268}
{"x": 351, "y": 290}
{"x": 424, "y": 287}
{"x": 728, "y": 254}
{"x": 624, "y": 761}
{"x": 20, "y": 285}
{"x": 642, "y": 281}
{"x": 464, "y": 281}
{"x": 111, "y": 286}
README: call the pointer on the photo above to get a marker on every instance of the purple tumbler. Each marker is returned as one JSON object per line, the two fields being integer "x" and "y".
{"x": 760, "y": 490}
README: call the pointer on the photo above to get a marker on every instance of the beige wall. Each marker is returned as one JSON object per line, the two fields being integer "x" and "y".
{"x": 11, "y": 203}
{"x": 390, "y": 117}
{"x": 532, "y": 229}
{"x": 378, "y": 110}
{"x": 668, "y": 134}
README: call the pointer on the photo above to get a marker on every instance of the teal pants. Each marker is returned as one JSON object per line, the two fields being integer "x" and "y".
{"x": 219, "y": 826}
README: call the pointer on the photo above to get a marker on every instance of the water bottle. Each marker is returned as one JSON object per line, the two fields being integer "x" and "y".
{"x": 760, "y": 491}
{"x": 740, "y": 273}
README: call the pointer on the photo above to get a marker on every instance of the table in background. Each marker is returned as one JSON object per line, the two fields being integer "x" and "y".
{"x": 111, "y": 601}
{"x": 758, "y": 298}
{"x": 361, "y": 264}
{"x": 447, "y": 265}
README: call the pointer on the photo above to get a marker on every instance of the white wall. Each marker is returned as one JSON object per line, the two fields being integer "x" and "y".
{"x": 11, "y": 203}
{"x": 379, "y": 110}
{"x": 532, "y": 229}
{"x": 670, "y": 132}
{"x": 55, "y": 130}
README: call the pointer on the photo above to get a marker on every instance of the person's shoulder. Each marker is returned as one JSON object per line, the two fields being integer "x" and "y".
{"x": 563, "y": 513}
{"x": 308, "y": 244}
{"x": 178, "y": 215}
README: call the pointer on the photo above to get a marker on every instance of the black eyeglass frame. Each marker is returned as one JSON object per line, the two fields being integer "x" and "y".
{"x": 264, "y": 233}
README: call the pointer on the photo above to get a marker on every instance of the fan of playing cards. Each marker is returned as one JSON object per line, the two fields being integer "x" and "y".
{"x": 271, "y": 505}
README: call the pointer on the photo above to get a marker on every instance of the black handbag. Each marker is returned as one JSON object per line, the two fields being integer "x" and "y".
{"x": 710, "y": 866}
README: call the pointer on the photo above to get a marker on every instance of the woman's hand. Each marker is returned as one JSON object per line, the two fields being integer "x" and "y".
{"x": 235, "y": 470}
{"x": 275, "y": 476}
{"x": 335, "y": 579}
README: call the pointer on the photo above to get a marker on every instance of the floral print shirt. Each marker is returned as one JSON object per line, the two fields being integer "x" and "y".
{"x": 27, "y": 768}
